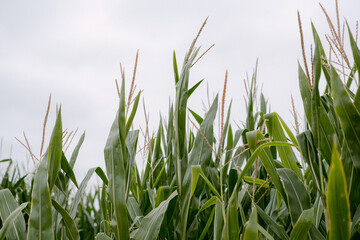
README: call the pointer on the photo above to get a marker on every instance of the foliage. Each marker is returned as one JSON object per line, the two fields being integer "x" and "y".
{"x": 260, "y": 181}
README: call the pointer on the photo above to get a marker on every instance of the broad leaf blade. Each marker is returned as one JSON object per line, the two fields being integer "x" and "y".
{"x": 298, "y": 198}
{"x": 251, "y": 229}
{"x": 54, "y": 151}
{"x": 7, "y": 206}
{"x": 116, "y": 162}
{"x": 71, "y": 229}
{"x": 9, "y": 224}
{"x": 151, "y": 223}
{"x": 40, "y": 220}
{"x": 337, "y": 200}
{"x": 277, "y": 133}
{"x": 302, "y": 225}
{"x": 349, "y": 117}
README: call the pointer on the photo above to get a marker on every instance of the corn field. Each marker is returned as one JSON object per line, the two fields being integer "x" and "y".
{"x": 261, "y": 180}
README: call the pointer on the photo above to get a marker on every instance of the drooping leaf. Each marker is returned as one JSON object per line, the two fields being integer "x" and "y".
{"x": 297, "y": 197}
{"x": 66, "y": 167}
{"x": 71, "y": 229}
{"x": 102, "y": 175}
{"x": 272, "y": 224}
{"x": 196, "y": 171}
{"x": 265, "y": 156}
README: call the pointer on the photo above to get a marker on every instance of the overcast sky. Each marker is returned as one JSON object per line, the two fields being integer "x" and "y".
{"x": 72, "y": 49}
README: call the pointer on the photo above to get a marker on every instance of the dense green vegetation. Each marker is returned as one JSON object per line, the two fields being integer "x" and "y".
{"x": 257, "y": 181}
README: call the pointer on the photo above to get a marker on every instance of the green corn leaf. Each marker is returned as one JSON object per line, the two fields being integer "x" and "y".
{"x": 259, "y": 150}
{"x": 352, "y": 175}
{"x": 158, "y": 160}
{"x": 131, "y": 144}
{"x": 355, "y": 225}
{"x": 6, "y": 160}
{"x": 218, "y": 221}
{"x": 325, "y": 128}
{"x": 225, "y": 129}
{"x": 252, "y": 159}
{"x": 191, "y": 90}
{"x": 71, "y": 229}
{"x": 272, "y": 224}
{"x": 264, "y": 232}
{"x": 133, "y": 208}
{"x": 208, "y": 225}
{"x": 7, "y": 206}
{"x": 60, "y": 183}
{"x": 258, "y": 182}
{"x": 349, "y": 117}
{"x": 305, "y": 93}
{"x": 176, "y": 74}
{"x": 323, "y": 56}
{"x": 199, "y": 156}
{"x": 355, "y": 50}
{"x": 201, "y": 153}
{"x": 251, "y": 228}
{"x": 76, "y": 150}
{"x": 196, "y": 171}
{"x": 209, "y": 203}
{"x": 180, "y": 121}
{"x": 151, "y": 223}
{"x": 133, "y": 112}
{"x": 297, "y": 197}
{"x": 9, "y": 224}
{"x": 66, "y": 167}
{"x": 75, "y": 203}
{"x": 310, "y": 155}
{"x": 196, "y": 116}
{"x": 40, "y": 220}
{"x": 303, "y": 225}
{"x": 337, "y": 199}
{"x": 101, "y": 175}
{"x": 161, "y": 175}
{"x": 232, "y": 223}
{"x": 277, "y": 133}
{"x": 116, "y": 162}
{"x": 315, "y": 95}
{"x": 319, "y": 210}
{"x": 102, "y": 236}
{"x": 54, "y": 152}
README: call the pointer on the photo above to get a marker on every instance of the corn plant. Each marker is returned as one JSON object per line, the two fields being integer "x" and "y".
{"x": 259, "y": 180}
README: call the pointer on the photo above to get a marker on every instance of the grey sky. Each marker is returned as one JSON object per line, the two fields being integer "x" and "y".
{"x": 72, "y": 49}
